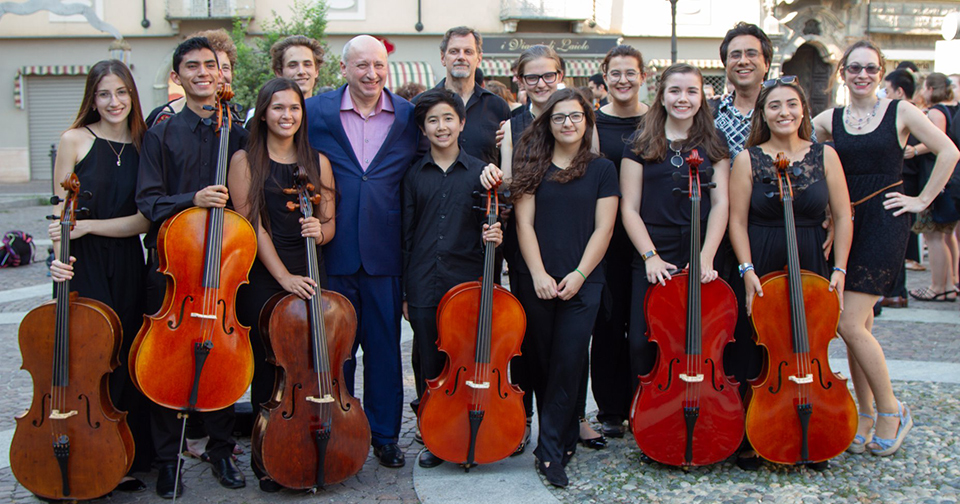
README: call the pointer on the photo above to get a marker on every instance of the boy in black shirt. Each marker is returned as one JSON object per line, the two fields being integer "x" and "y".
{"x": 440, "y": 228}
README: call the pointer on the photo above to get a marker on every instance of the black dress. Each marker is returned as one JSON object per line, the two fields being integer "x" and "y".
{"x": 871, "y": 162}
{"x": 290, "y": 246}
{"x": 111, "y": 270}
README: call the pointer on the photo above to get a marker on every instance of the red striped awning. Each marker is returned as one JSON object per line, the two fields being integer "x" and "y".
{"x": 702, "y": 64}
{"x": 402, "y": 72}
{"x": 42, "y": 70}
{"x": 576, "y": 67}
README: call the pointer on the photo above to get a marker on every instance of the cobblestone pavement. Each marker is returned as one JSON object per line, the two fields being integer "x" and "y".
{"x": 926, "y": 470}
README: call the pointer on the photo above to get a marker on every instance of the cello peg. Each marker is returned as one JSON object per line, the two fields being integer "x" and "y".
{"x": 311, "y": 187}
{"x": 83, "y": 212}
{"x": 86, "y": 195}
{"x": 710, "y": 185}
{"x": 291, "y": 206}
{"x": 52, "y": 217}
{"x": 315, "y": 199}
{"x": 679, "y": 192}
{"x": 290, "y": 191}
{"x": 677, "y": 176}
{"x": 55, "y": 200}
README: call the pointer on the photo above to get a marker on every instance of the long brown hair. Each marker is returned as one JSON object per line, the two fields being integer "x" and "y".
{"x": 940, "y": 88}
{"x": 258, "y": 156}
{"x": 88, "y": 113}
{"x": 760, "y": 130}
{"x": 651, "y": 143}
{"x": 533, "y": 154}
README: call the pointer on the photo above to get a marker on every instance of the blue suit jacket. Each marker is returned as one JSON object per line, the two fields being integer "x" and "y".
{"x": 368, "y": 205}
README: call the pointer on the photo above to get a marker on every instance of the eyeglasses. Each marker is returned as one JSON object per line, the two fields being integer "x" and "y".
{"x": 575, "y": 117}
{"x": 749, "y": 54}
{"x": 616, "y": 75}
{"x": 548, "y": 78}
{"x": 856, "y": 68}
{"x": 786, "y": 80}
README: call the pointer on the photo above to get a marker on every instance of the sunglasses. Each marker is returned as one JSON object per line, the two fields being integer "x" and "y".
{"x": 548, "y": 78}
{"x": 856, "y": 68}
{"x": 785, "y": 80}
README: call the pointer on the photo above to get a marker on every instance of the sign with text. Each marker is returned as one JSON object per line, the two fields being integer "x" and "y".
{"x": 565, "y": 45}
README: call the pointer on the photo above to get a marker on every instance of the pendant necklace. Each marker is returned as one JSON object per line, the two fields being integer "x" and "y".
{"x": 122, "y": 146}
{"x": 676, "y": 160}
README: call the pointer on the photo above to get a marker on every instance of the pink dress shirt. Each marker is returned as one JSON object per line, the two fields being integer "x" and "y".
{"x": 366, "y": 134}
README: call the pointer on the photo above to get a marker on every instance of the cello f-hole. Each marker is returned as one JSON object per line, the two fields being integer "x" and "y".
{"x": 344, "y": 404}
{"x": 826, "y": 386}
{"x": 500, "y": 392}
{"x": 223, "y": 320}
{"x": 713, "y": 375}
{"x": 293, "y": 402}
{"x": 669, "y": 375}
{"x": 456, "y": 381}
{"x": 779, "y": 377}
{"x": 86, "y": 400}
{"x": 43, "y": 410}
{"x": 183, "y": 305}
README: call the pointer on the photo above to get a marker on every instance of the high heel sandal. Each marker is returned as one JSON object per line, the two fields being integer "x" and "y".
{"x": 594, "y": 443}
{"x": 890, "y": 446}
{"x": 859, "y": 444}
{"x": 526, "y": 439}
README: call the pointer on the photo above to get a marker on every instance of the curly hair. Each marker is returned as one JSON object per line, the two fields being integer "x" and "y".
{"x": 220, "y": 41}
{"x": 533, "y": 153}
{"x": 651, "y": 142}
{"x": 281, "y": 46}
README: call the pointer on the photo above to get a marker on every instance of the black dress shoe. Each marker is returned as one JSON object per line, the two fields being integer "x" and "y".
{"x": 228, "y": 474}
{"x": 390, "y": 455}
{"x": 749, "y": 464}
{"x": 131, "y": 485}
{"x": 428, "y": 460}
{"x": 270, "y": 486}
{"x": 597, "y": 443}
{"x": 819, "y": 466}
{"x": 166, "y": 479}
{"x": 554, "y": 474}
{"x": 612, "y": 429}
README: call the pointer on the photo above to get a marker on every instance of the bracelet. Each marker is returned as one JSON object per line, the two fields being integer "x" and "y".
{"x": 581, "y": 273}
{"x": 841, "y": 270}
{"x": 648, "y": 254}
{"x": 744, "y": 268}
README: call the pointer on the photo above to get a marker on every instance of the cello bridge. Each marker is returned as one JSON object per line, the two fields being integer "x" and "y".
{"x": 327, "y": 398}
{"x": 203, "y": 316}
{"x": 484, "y": 385}
{"x": 801, "y": 380}
{"x": 691, "y": 379}
{"x": 57, "y": 415}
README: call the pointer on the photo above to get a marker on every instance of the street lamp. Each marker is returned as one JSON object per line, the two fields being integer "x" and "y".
{"x": 673, "y": 31}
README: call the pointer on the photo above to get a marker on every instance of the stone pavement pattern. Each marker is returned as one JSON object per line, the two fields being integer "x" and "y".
{"x": 926, "y": 470}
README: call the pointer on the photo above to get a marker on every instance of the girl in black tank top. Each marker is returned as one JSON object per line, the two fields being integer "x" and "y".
{"x": 277, "y": 148}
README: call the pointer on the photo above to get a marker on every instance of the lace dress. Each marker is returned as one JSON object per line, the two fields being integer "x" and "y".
{"x": 871, "y": 162}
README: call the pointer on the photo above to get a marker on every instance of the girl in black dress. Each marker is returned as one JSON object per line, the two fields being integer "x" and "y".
{"x": 565, "y": 203}
{"x": 102, "y": 148}
{"x": 622, "y": 69}
{"x": 278, "y": 145}
{"x": 869, "y": 135}
{"x": 781, "y": 123}
{"x": 656, "y": 220}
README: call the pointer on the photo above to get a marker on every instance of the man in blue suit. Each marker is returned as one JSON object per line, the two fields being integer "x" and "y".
{"x": 370, "y": 137}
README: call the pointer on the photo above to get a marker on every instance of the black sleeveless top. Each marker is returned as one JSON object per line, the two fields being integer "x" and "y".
{"x": 284, "y": 224}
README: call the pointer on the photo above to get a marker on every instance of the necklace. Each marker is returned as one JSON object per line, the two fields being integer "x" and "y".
{"x": 676, "y": 160}
{"x": 861, "y": 122}
{"x": 122, "y": 146}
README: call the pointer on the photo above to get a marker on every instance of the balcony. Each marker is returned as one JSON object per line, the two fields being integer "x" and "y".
{"x": 545, "y": 10}
{"x": 209, "y": 9}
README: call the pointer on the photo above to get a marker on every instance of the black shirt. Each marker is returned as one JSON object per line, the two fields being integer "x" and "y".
{"x": 565, "y": 213}
{"x": 177, "y": 159}
{"x": 613, "y": 133}
{"x": 442, "y": 246}
{"x": 485, "y": 110}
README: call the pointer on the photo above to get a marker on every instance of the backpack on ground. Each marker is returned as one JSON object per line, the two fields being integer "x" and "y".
{"x": 17, "y": 249}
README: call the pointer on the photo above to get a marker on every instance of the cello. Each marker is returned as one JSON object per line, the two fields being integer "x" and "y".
{"x": 687, "y": 411}
{"x": 193, "y": 354}
{"x": 471, "y": 414}
{"x": 800, "y": 411}
{"x": 72, "y": 443}
{"x": 312, "y": 432}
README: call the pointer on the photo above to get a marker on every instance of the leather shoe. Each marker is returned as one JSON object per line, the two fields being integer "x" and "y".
{"x": 270, "y": 486}
{"x": 610, "y": 428}
{"x": 597, "y": 443}
{"x": 554, "y": 474}
{"x": 893, "y": 302}
{"x": 166, "y": 479}
{"x": 228, "y": 474}
{"x": 428, "y": 460}
{"x": 389, "y": 455}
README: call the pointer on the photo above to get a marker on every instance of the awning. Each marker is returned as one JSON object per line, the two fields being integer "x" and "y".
{"x": 909, "y": 54}
{"x": 702, "y": 64}
{"x": 576, "y": 67}
{"x": 402, "y": 72}
{"x": 42, "y": 70}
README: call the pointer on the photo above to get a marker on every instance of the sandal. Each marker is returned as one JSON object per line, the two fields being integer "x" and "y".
{"x": 526, "y": 439}
{"x": 927, "y": 294}
{"x": 859, "y": 444}
{"x": 890, "y": 446}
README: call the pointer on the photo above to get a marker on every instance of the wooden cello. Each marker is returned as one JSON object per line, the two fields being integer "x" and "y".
{"x": 687, "y": 411}
{"x": 312, "y": 432}
{"x": 72, "y": 443}
{"x": 193, "y": 354}
{"x": 800, "y": 411}
{"x": 471, "y": 414}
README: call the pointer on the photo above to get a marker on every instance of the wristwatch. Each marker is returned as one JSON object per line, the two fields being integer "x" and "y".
{"x": 744, "y": 268}
{"x": 648, "y": 254}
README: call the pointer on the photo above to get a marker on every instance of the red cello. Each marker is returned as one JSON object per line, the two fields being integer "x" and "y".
{"x": 471, "y": 414}
{"x": 312, "y": 432}
{"x": 72, "y": 443}
{"x": 799, "y": 411}
{"x": 687, "y": 411}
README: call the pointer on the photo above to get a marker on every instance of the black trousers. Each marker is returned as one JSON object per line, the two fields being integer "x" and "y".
{"x": 165, "y": 425}
{"x": 423, "y": 321}
{"x": 559, "y": 332}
